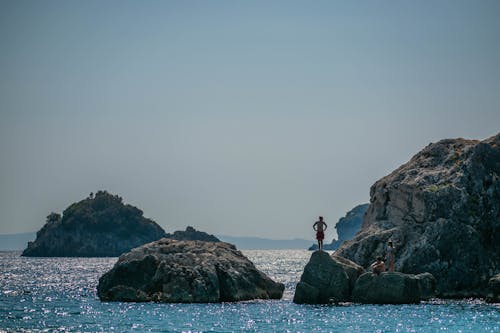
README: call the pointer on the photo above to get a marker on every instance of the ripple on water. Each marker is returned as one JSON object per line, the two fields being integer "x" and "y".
{"x": 58, "y": 294}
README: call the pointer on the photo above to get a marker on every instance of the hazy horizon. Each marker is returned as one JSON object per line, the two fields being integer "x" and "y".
{"x": 237, "y": 118}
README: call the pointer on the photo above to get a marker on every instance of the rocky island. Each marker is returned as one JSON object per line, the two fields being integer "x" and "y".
{"x": 98, "y": 226}
{"x": 332, "y": 279}
{"x": 192, "y": 234}
{"x": 442, "y": 211}
{"x": 347, "y": 227}
{"x": 175, "y": 271}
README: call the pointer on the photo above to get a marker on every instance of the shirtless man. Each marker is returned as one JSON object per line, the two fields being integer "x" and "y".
{"x": 378, "y": 266}
{"x": 320, "y": 227}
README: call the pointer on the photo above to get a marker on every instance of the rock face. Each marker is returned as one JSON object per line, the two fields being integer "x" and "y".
{"x": 326, "y": 279}
{"x": 100, "y": 226}
{"x": 347, "y": 227}
{"x": 192, "y": 234}
{"x": 386, "y": 288}
{"x": 442, "y": 210}
{"x": 330, "y": 279}
{"x": 494, "y": 289}
{"x": 184, "y": 272}
{"x": 428, "y": 285}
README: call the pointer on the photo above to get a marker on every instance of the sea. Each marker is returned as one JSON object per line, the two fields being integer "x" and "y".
{"x": 59, "y": 295}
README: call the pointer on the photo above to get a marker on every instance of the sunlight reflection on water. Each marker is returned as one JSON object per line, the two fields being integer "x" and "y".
{"x": 59, "y": 294}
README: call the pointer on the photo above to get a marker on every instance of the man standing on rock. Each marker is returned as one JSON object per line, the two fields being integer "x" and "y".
{"x": 320, "y": 227}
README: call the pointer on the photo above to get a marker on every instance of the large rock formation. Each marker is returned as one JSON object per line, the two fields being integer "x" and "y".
{"x": 326, "y": 279}
{"x": 442, "y": 210}
{"x": 332, "y": 279}
{"x": 192, "y": 234}
{"x": 347, "y": 227}
{"x": 100, "y": 226}
{"x": 184, "y": 272}
{"x": 386, "y": 288}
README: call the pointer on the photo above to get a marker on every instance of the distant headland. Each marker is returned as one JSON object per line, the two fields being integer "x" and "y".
{"x": 347, "y": 227}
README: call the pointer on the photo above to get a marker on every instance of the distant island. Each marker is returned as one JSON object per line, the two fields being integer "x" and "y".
{"x": 258, "y": 243}
{"x": 97, "y": 226}
{"x": 347, "y": 227}
{"x": 102, "y": 225}
{"x": 17, "y": 242}
{"x": 191, "y": 234}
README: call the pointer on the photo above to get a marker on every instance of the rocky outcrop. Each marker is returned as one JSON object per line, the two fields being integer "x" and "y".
{"x": 326, "y": 279}
{"x": 494, "y": 290}
{"x": 192, "y": 234}
{"x": 442, "y": 210}
{"x": 98, "y": 226}
{"x": 184, "y": 272}
{"x": 386, "y": 288}
{"x": 427, "y": 285}
{"x": 347, "y": 227}
{"x": 332, "y": 279}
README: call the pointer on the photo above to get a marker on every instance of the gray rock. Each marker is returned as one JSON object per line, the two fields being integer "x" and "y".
{"x": 186, "y": 271}
{"x": 353, "y": 270}
{"x": 442, "y": 210}
{"x": 427, "y": 286}
{"x": 307, "y": 294}
{"x": 494, "y": 289}
{"x": 326, "y": 279}
{"x": 386, "y": 288}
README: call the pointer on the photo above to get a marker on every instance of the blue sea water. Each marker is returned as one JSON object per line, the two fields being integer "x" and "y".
{"x": 59, "y": 295}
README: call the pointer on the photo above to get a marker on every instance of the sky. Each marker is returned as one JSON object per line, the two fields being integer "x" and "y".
{"x": 243, "y": 118}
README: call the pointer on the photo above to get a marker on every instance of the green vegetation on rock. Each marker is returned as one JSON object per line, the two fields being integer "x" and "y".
{"x": 100, "y": 225}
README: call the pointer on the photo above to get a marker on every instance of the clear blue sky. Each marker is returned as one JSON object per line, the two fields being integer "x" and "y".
{"x": 239, "y": 118}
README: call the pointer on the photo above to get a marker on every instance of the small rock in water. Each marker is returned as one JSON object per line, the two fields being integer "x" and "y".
{"x": 326, "y": 278}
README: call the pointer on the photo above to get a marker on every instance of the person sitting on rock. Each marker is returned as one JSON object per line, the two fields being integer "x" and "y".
{"x": 389, "y": 256}
{"x": 378, "y": 266}
{"x": 320, "y": 227}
